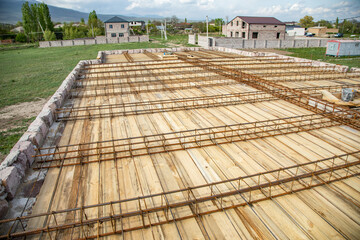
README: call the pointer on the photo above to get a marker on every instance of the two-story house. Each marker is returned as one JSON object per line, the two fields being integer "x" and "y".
{"x": 116, "y": 27}
{"x": 262, "y": 28}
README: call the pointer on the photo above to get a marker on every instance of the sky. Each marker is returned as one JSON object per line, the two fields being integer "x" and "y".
{"x": 284, "y": 10}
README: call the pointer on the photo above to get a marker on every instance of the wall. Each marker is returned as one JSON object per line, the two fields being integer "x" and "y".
{"x": 245, "y": 43}
{"x": 203, "y": 41}
{"x": 97, "y": 40}
{"x": 192, "y": 39}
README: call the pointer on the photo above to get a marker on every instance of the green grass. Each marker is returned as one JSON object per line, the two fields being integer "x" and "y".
{"x": 10, "y": 137}
{"x": 319, "y": 54}
{"x": 180, "y": 39}
{"x": 32, "y": 73}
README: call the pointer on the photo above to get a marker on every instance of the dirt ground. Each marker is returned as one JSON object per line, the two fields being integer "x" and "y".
{"x": 11, "y": 115}
{"x": 15, "y": 117}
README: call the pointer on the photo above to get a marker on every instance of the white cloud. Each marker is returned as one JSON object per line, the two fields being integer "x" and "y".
{"x": 318, "y": 10}
{"x": 342, "y": 4}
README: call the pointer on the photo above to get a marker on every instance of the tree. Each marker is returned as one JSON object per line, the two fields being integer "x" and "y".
{"x": 20, "y": 37}
{"x": 307, "y": 21}
{"x": 36, "y": 18}
{"x": 94, "y": 22}
{"x": 49, "y": 35}
{"x": 324, "y": 23}
{"x": 337, "y": 23}
{"x": 219, "y": 22}
{"x": 93, "y": 19}
{"x": 174, "y": 20}
{"x": 82, "y": 21}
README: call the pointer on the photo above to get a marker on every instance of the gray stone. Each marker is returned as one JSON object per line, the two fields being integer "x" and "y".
{"x": 4, "y": 207}
{"x": 11, "y": 180}
{"x": 47, "y": 116}
{"x": 27, "y": 148}
{"x": 10, "y": 159}
{"x": 21, "y": 164}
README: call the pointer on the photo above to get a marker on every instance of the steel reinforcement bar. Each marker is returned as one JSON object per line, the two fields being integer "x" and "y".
{"x": 248, "y": 66}
{"x": 147, "y": 107}
{"x": 177, "y": 61}
{"x": 85, "y": 153}
{"x": 141, "y": 88}
{"x": 138, "y": 82}
{"x": 151, "y": 210}
{"x": 342, "y": 114}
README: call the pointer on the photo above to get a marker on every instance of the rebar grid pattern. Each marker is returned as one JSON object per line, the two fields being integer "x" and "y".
{"x": 70, "y": 155}
{"x": 342, "y": 114}
{"x": 155, "y": 209}
{"x": 190, "y": 201}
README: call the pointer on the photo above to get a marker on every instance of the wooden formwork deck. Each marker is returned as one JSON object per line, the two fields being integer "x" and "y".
{"x": 100, "y": 188}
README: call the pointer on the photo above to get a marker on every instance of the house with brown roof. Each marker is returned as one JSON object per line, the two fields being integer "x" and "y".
{"x": 262, "y": 28}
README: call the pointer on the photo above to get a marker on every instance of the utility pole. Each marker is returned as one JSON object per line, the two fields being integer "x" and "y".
{"x": 162, "y": 30}
{"x": 165, "y": 30}
{"x": 207, "y": 31}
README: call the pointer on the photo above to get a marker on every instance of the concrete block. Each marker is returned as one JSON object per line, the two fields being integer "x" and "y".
{"x": 44, "y": 44}
{"x": 4, "y": 207}
{"x": 11, "y": 180}
{"x": 79, "y": 42}
{"x": 89, "y": 41}
{"x": 67, "y": 43}
{"x": 56, "y": 43}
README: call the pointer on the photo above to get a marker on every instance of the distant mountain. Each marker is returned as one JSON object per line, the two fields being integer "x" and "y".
{"x": 10, "y": 12}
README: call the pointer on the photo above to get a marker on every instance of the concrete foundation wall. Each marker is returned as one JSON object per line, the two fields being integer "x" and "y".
{"x": 97, "y": 40}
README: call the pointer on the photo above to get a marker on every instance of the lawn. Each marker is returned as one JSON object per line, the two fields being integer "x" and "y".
{"x": 28, "y": 73}
{"x": 178, "y": 39}
{"x": 31, "y": 73}
{"x": 319, "y": 54}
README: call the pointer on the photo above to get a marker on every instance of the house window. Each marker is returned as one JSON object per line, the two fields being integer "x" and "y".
{"x": 264, "y": 26}
{"x": 243, "y": 24}
{"x": 277, "y": 35}
{"x": 275, "y": 26}
{"x": 122, "y": 26}
{"x": 230, "y": 34}
{"x": 237, "y": 23}
{"x": 255, "y": 35}
{"x": 243, "y": 34}
{"x": 121, "y": 34}
{"x": 232, "y": 23}
{"x": 236, "y": 34}
{"x": 113, "y": 35}
{"x": 110, "y": 26}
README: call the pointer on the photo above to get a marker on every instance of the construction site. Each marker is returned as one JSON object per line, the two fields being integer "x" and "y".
{"x": 200, "y": 144}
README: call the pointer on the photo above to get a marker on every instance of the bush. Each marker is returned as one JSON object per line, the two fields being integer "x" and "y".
{"x": 49, "y": 35}
{"x": 21, "y": 37}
